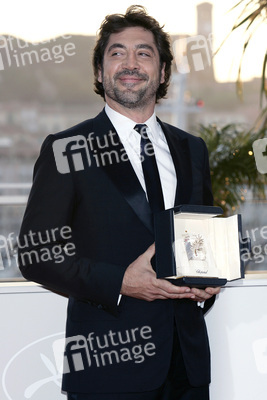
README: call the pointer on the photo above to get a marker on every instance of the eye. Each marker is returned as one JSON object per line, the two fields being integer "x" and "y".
{"x": 144, "y": 54}
{"x": 117, "y": 52}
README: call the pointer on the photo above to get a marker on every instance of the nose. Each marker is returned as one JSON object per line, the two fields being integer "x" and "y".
{"x": 130, "y": 61}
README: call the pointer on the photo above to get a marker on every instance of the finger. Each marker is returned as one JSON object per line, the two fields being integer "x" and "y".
{"x": 200, "y": 294}
{"x": 179, "y": 296}
{"x": 213, "y": 291}
{"x": 170, "y": 288}
{"x": 161, "y": 294}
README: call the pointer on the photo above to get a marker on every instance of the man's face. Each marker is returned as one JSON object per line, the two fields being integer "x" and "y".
{"x": 131, "y": 71}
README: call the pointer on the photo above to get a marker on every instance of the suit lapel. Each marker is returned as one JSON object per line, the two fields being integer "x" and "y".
{"x": 180, "y": 153}
{"x": 116, "y": 165}
{"x": 120, "y": 170}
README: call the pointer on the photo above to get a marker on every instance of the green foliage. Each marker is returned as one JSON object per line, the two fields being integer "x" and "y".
{"x": 232, "y": 165}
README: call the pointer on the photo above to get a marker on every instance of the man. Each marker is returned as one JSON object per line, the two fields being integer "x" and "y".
{"x": 129, "y": 335}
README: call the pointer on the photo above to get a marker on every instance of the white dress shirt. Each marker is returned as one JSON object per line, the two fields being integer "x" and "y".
{"x": 131, "y": 142}
{"x": 130, "y": 139}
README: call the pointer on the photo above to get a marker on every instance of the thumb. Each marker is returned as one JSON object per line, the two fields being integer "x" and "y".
{"x": 150, "y": 252}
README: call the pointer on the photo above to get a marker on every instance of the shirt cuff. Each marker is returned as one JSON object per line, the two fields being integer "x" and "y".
{"x": 119, "y": 299}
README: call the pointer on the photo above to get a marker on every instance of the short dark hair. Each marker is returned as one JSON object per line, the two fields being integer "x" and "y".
{"x": 135, "y": 16}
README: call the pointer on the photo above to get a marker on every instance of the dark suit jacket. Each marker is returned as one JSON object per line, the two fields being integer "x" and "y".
{"x": 111, "y": 225}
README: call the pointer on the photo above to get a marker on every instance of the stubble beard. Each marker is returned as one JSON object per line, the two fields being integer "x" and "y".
{"x": 129, "y": 97}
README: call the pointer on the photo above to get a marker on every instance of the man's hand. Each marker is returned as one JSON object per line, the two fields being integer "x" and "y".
{"x": 140, "y": 281}
{"x": 202, "y": 295}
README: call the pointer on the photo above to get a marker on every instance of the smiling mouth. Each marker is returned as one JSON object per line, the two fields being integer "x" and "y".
{"x": 130, "y": 82}
{"x": 129, "y": 78}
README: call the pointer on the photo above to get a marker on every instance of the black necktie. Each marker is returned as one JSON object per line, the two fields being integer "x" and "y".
{"x": 150, "y": 170}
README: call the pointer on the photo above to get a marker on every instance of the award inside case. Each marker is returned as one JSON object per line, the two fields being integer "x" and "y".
{"x": 196, "y": 246}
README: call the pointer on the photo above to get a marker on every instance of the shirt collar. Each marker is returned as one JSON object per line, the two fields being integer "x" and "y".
{"x": 124, "y": 125}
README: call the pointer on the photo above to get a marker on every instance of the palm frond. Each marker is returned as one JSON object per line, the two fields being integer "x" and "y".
{"x": 264, "y": 78}
{"x": 252, "y": 16}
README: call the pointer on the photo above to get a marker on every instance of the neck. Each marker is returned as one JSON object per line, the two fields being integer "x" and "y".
{"x": 138, "y": 115}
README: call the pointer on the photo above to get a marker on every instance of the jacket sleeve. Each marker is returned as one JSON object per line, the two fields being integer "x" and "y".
{"x": 46, "y": 253}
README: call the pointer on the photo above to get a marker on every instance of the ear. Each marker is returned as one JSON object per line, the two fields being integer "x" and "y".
{"x": 162, "y": 73}
{"x": 99, "y": 74}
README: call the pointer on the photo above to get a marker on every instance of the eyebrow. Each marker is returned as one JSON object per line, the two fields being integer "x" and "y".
{"x": 139, "y": 46}
{"x": 145, "y": 46}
